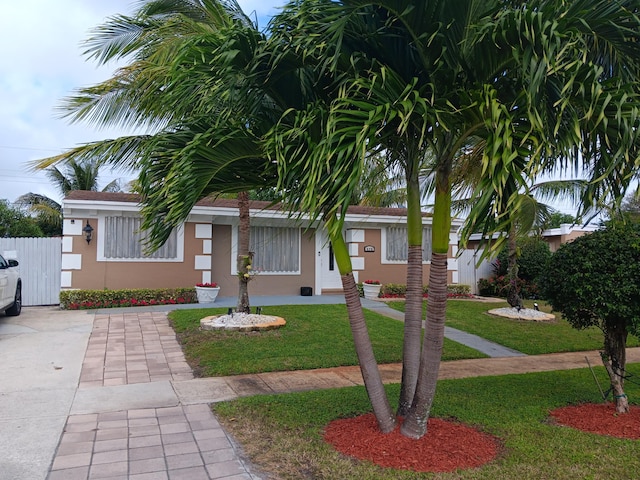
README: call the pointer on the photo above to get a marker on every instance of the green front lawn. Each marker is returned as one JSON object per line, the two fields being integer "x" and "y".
{"x": 282, "y": 434}
{"x": 532, "y": 338}
{"x": 316, "y": 336}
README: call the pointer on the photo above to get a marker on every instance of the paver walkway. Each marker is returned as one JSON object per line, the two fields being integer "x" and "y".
{"x": 130, "y": 356}
{"x": 132, "y": 348}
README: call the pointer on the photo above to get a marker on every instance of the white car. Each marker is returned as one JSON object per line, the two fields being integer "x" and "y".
{"x": 10, "y": 287}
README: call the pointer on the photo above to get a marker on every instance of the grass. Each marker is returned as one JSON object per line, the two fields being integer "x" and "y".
{"x": 532, "y": 338}
{"x": 282, "y": 434}
{"x": 316, "y": 336}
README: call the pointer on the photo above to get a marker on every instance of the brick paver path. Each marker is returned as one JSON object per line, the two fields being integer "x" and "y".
{"x": 169, "y": 443}
{"x": 132, "y": 348}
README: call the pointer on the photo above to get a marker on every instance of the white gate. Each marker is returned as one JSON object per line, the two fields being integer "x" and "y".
{"x": 40, "y": 266}
{"x": 468, "y": 274}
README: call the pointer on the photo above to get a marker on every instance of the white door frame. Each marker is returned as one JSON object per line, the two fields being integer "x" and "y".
{"x": 325, "y": 278}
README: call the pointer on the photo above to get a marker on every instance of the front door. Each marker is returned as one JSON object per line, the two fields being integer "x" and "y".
{"x": 329, "y": 275}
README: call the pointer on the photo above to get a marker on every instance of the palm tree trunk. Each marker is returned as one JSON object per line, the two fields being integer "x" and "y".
{"x": 513, "y": 295}
{"x": 614, "y": 359}
{"x": 415, "y": 424}
{"x": 244, "y": 255}
{"x": 413, "y": 304}
{"x": 368, "y": 366}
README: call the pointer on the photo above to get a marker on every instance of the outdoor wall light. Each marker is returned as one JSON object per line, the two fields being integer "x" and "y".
{"x": 88, "y": 232}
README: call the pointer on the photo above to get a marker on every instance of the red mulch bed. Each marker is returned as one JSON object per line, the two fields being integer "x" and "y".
{"x": 601, "y": 419}
{"x": 447, "y": 445}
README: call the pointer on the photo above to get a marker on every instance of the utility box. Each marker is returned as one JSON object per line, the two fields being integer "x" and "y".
{"x": 306, "y": 291}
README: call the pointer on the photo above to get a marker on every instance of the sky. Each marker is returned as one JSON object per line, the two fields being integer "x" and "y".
{"x": 41, "y": 63}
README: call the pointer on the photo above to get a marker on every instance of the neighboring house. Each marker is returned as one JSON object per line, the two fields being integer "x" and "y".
{"x": 565, "y": 233}
{"x": 288, "y": 254}
{"x": 553, "y": 236}
{"x": 470, "y": 272}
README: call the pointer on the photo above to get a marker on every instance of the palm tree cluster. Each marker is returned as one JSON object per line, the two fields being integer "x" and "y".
{"x": 500, "y": 90}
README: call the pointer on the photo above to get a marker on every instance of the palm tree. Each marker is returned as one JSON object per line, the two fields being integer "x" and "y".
{"x": 159, "y": 36}
{"x": 378, "y": 186}
{"x": 210, "y": 108}
{"x": 77, "y": 175}
{"x": 527, "y": 212}
{"x": 434, "y": 74}
{"x": 337, "y": 79}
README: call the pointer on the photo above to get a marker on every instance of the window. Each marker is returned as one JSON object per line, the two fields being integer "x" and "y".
{"x": 397, "y": 248}
{"x": 275, "y": 250}
{"x": 123, "y": 240}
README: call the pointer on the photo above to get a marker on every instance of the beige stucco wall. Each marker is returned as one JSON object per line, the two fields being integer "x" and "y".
{"x": 386, "y": 272}
{"x": 99, "y": 275}
{"x": 261, "y": 284}
{"x": 118, "y": 275}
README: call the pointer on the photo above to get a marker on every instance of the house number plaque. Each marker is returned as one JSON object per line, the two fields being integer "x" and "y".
{"x": 369, "y": 248}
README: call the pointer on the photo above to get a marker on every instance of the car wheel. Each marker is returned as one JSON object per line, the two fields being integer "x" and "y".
{"x": 16, "y": 308}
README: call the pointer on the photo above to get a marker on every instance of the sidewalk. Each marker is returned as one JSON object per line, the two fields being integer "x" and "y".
{"x": 109, "y": 395}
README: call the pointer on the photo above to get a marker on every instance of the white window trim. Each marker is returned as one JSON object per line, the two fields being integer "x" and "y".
{"x": 100, "y": 247}
{"x": 383, "y": 250}
{"x": 234, "y": 255}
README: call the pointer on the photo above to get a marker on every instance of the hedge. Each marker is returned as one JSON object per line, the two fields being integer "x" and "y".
{"x": 399, "y": 290}
{"x": 89, "y": 299}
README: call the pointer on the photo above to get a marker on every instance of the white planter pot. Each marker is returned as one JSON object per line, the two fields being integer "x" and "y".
{"x": 207, "y": 294}
{"x": 371, "y": 291}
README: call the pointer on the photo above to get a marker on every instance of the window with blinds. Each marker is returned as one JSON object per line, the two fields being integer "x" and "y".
{"x": 397, "y": 248}
{"x": 123, "y": 240}
{"x": 275, "y": 250}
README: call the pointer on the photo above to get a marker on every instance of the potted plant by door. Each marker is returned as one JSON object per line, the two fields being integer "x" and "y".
{"x": 207, "y": 292}
{"x": 371, "y": 288}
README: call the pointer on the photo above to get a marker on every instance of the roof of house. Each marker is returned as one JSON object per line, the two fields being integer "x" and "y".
{"x": 85, "y": 195}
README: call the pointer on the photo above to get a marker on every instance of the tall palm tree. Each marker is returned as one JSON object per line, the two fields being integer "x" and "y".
{"x": 433, "y": 74}
{"x": 179, "y": 105}
{"x": 201, "y": 75}
{"x": 338, "y": 79}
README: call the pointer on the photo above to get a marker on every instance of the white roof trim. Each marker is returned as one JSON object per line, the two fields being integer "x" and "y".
{"x": 74, "y": 207}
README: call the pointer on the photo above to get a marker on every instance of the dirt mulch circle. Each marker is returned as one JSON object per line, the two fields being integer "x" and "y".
{"x": 447, "y": 445}
{"x": 601, "y": 419}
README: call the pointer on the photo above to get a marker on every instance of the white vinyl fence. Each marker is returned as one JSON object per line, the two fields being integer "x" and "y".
{"x": 468, "y": 274}
{"x": 40, "y": 262}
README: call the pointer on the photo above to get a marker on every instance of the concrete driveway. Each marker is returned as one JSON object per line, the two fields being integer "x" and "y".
{"x": 41, "y": 354}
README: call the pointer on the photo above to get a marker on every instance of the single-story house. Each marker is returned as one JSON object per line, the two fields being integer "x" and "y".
{"x": 554, "y": 237}
{"x": 288, "y": 254}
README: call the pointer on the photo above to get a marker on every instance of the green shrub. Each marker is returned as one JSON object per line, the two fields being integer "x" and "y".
{"x": 89, "y": 299}
{"x": 534, "y": 255}
{"x": 394, "y": 290}
{"x": 499, "y": 287}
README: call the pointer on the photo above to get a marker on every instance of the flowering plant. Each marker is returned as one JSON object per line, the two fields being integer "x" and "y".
{"x": 372, "y": 282}
{"x": 207, "y": 285}
{"x": 247, "y": 272}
